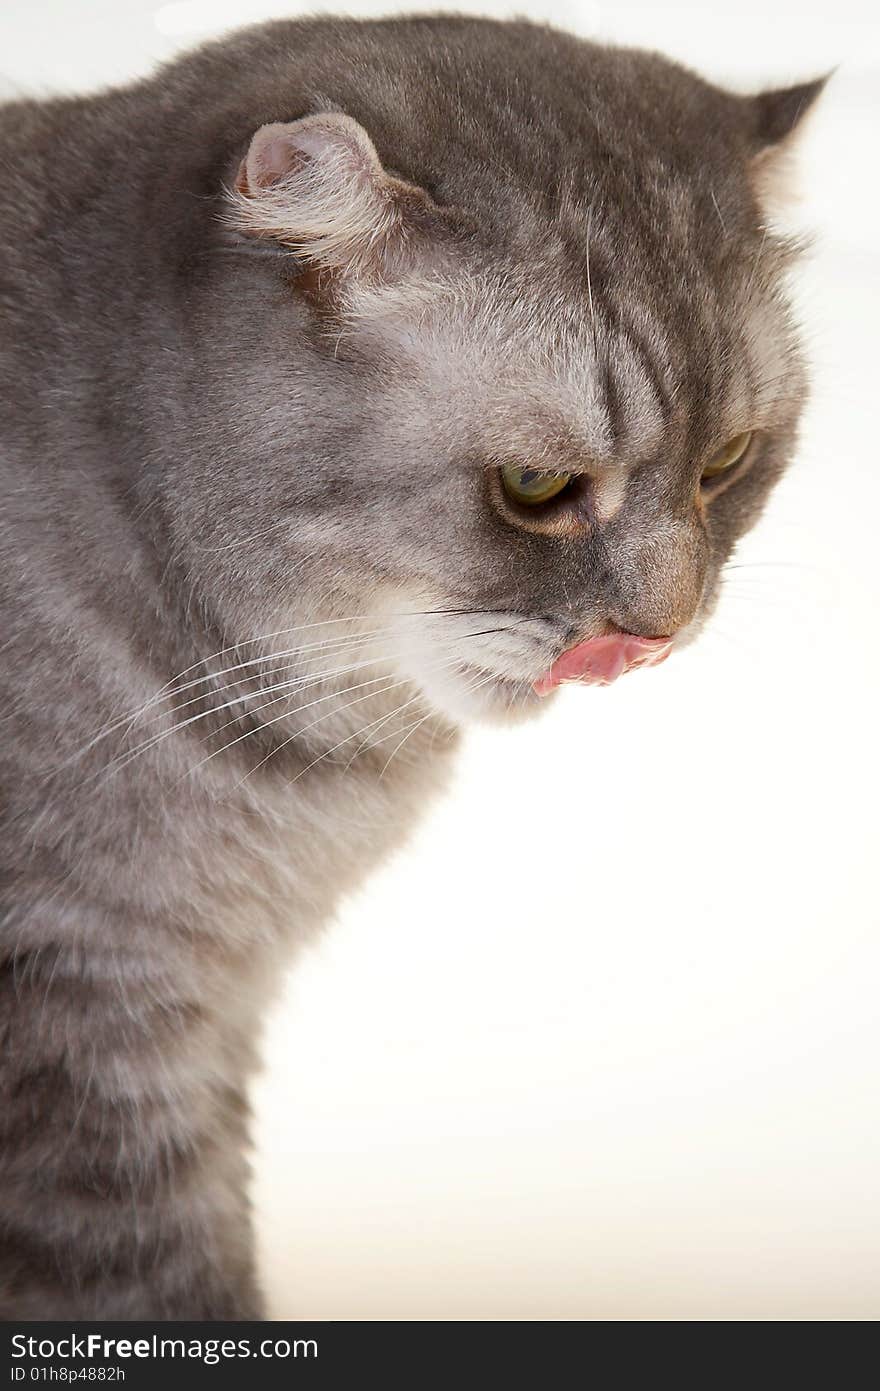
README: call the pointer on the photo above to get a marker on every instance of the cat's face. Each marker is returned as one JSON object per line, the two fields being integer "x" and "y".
{"x": 539, "y": 424}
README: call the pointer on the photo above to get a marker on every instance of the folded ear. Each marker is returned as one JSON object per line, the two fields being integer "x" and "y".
{"x": 318, "y": 187}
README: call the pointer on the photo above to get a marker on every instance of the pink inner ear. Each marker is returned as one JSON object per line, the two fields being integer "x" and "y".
{"x": 273, "y": 156}
{"x": 280, "y": 151}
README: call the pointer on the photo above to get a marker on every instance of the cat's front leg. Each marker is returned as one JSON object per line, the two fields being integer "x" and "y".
{"x": 123, "y": 1171}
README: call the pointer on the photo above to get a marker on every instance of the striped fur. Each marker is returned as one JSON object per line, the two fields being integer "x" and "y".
{"x": 253, "y": 573}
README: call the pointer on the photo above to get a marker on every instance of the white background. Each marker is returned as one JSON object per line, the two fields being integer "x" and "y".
{"x": 604, "y": 1042}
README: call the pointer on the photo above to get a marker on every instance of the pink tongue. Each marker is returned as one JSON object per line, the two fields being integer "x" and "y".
{"x": 599, "y": 661}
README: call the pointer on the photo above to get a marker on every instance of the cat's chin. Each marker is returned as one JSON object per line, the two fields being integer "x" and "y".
{"x": 481, "y": 697}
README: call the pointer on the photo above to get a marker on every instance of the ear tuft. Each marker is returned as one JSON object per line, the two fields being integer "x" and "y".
{"x": 317, "y": 186}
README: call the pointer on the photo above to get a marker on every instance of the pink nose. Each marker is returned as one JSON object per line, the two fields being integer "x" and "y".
{"x": 599, "y": 661}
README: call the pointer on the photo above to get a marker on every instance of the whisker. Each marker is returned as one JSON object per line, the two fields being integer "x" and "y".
{"x": 397, "y": 747}
{"x": 371, "y": 743}
{"x": 319, "y": 700}
{"x": 452, "y": 661}
{"x": 327, "y": 752}
{"x": 319, "y": 649}
{"x": 284, "y": 744}
{"x": 475, "y": 686}
{"x": 299, "y": 683}
{"x": 331, "y": 644}
{"x": 171, "y": 686}
{"x": 773, "y": 565}
{"x": 285, "y": 686}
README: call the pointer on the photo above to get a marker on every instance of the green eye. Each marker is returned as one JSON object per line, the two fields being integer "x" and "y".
{"x": 728, "y": 456}
{"x": 530, "y": 486}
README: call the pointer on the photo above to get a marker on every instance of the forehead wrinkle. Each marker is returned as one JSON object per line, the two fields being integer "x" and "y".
{"x": 533, "y": 371}
{"x": 643, "y": 418}
{"x": 532, "y": 374}
{"x": 641, "y": 384}
{"x": 545, "y": 424}
{"x": 583, "y": 395}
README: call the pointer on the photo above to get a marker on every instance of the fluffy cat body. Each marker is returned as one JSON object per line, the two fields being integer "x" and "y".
{"x": 272, "y": 321}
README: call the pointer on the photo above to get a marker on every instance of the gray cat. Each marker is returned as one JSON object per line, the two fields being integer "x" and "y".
{"x": 359, "y": 379}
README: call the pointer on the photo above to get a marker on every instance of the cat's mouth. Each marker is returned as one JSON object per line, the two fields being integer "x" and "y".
{"x": 601, "y": 660}
{"x": 481, "y": 691}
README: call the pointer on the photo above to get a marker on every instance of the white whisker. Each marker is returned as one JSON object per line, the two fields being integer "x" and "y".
{"x": 286, "y": 687}
{"x": 474, "y": 686}
{"x": 172, "y": 686}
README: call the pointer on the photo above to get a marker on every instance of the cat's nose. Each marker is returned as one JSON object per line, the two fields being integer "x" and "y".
{"x": 599, "y": 661}
{"x": 656, "y": 579}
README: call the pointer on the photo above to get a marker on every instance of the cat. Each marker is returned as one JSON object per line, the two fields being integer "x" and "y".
{"x": 361, "y": 379}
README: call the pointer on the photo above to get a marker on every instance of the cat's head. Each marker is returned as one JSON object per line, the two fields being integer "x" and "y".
{"x": 525, "y": 356}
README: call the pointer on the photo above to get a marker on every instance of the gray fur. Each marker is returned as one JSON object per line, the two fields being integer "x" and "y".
{"x": 216, "y": 428}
